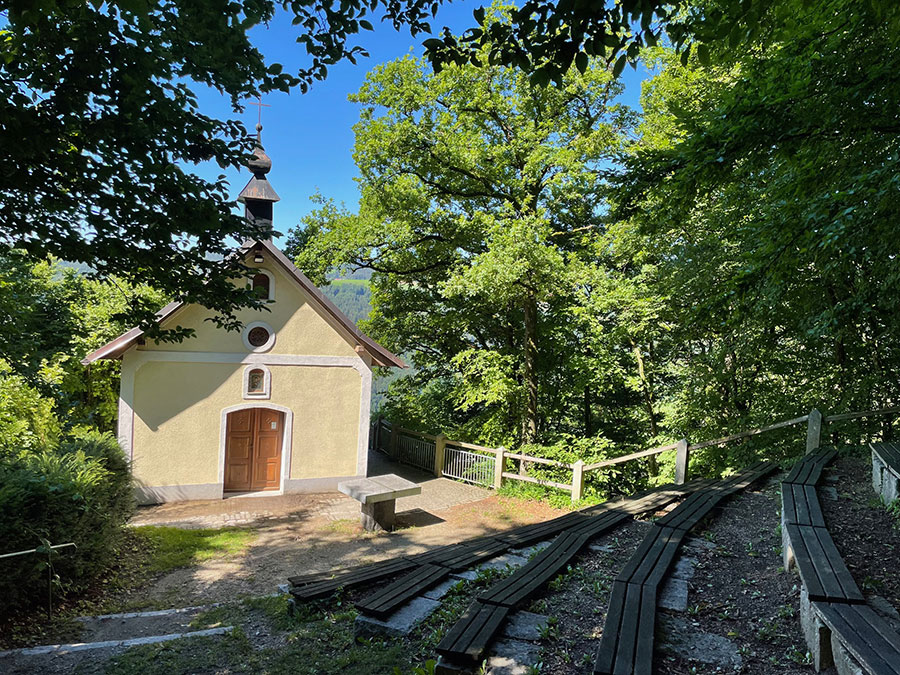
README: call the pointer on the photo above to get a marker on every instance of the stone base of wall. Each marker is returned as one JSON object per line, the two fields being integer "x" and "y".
{"x": 884, "y": 481}
{"x": 159, "y": 494}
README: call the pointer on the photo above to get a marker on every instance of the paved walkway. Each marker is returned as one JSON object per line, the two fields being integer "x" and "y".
{"x": 437, "y": 494}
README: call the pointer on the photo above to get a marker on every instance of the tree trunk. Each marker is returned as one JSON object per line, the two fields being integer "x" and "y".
{"x": 529, "y": 427}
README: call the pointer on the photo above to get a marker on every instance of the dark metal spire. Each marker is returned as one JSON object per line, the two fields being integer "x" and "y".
{"x": 258, "y": 196}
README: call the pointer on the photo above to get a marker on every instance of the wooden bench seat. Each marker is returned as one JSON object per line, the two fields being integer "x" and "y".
{"x": 536, "y": 572}
{"x": 808, "y": 470}
{"x": 386, "y": 601}
{"x": 821, "y": 567}
{"x": 653, "y": 557}
{"x": 469, "y": 637}
{"x": 472, "y": 554}
{"x": 531, "y": 534}
{"x": 628, "y": 634}
{"x": 868, "y": 637}
{"x": 800, "y": 505}
{"x": 627, "y": 643}
{"x": 351, "y": 577}
{"x": 889, "y": 454}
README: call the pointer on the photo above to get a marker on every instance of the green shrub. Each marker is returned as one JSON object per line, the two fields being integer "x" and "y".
{"x": 27, "y": 419}
{"x": 79, "y": 491}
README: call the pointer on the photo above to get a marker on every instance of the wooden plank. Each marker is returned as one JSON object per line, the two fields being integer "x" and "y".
{"x": 606, "y": 654}
{"x": 538, "y": 460}
{"x": 750, "y": 432}
{"x": 849, "y": 590}
{"x": 362, "y": 575}
{"x": 816, "y": 517}
{"x": 628, "y": 638}
{"x": 384, "y": 602}
{"x": 801, "y": 504}
{"x": 788, "y": 507}
{"x": 528, "y": 534}
{"x": 640, "y": 554}
{"x": 866, "y": 413}
{"x": 468, "y": 555}
{"x": 471, "y": 635}
{"x": 539, "y": 481}
{"x": 888, "y": 454}
{"x": 823, "y": 566}
{"x": 628, "y": 458}
{"x": 804, "y": 563}
{"x": 855, "y": 627}
{"x": 643, "y": 660}
{"x": 599, "y": 524}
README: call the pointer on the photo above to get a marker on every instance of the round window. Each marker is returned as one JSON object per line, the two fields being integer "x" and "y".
{"x": 258, "y": 336}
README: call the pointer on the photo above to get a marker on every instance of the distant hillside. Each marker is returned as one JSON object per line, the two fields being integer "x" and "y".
{"x": 352, "y": 296}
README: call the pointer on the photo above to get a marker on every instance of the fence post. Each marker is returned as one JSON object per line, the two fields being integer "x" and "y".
{"x": 682, "y": 459}
{"x": 577, "y": 480}
{"x": 439, "y": 444}
{"x": 813, "y": 430}
{"x": 395, "y": 434}
{"x": 378, "y": 422}
{"x": 498, "y": 467}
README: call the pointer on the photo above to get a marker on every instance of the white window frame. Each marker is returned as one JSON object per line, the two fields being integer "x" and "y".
{"x": 266, "y": 393}
{"x": 264, "y": 347}
{"x": 260, "y": 270}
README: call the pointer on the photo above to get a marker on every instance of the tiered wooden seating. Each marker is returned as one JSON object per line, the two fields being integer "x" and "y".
{"x": 829, "y": 585}
{"x": 628, "y": 634}
{"x": 472, "y": 634}
{"x": 348, "y": 577}
{"x": 868, "y": 637}
{"x": 821, "y": 567}
{"x": 889, "y": 454}
{"x": 467, "y": 640}
{"x": 386, "y": 601}
{"x": 808, "y": 470}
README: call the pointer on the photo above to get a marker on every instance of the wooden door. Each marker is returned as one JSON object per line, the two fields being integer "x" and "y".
{"x": 253, "y": 440}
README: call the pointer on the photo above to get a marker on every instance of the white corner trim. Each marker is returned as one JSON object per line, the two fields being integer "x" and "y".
{"x": 260, "y": 270}
{"x": 266, "y": 393}
{"x": 286, "y": 440}
{"x": 365, "y": 404}
{"x": 125, "y": 426}
{"x": 264, "y": 347}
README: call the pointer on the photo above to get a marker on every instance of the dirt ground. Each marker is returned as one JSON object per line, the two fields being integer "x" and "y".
{"x": 288, "y": 546}
{"x": 865, "y": 533}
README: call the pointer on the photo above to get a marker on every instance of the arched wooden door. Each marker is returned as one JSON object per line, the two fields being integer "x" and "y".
{"x": 253, "y": 440}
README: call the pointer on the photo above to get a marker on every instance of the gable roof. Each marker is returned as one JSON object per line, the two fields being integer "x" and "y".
{"x": 348, "y": 330}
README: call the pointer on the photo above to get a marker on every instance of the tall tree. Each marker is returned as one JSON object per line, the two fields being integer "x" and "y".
{"x": 481, "y": 195}
{"x": 766, "y": 181}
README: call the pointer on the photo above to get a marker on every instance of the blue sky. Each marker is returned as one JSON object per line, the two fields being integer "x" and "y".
{"x": 310, "y": 136}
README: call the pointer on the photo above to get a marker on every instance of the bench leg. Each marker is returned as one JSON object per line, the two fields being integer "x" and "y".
{"x": 378, "y": 516}
{"x": 817, "y": 634}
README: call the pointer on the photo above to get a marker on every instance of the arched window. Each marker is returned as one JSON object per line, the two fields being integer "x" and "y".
{"x": 263, "y": 284}
{"x": 257, "y": 382}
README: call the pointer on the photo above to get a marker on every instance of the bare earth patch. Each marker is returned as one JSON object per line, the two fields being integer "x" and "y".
{"x": 865, "y": 533}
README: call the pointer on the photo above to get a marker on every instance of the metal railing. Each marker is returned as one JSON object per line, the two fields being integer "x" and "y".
{"x": 469, "y": 466}
{"x": 416, "y": 450}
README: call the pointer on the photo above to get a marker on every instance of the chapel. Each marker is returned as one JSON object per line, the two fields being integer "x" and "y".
{"x": 281, "y": 406}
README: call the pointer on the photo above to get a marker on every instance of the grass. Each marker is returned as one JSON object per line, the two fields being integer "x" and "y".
{"x": 171, "y": 547}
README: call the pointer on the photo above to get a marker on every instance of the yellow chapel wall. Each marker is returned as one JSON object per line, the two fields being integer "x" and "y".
{"x": 177, "y": 393}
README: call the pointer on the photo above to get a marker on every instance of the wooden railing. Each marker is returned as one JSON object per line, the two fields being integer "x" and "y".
{"x": 387, "y": 438}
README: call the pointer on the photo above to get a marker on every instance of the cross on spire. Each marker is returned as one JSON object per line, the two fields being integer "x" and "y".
{"x": 260, "y": 105}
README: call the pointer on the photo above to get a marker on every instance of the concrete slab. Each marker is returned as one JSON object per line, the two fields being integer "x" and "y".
{"x": 398, "y": 624}
{"x": 512, "y": 657}
{"x": 525, "y": 626}
{"x": 441, "y": 589}
{"x": 829, "y": 493}
{"x": 502, "y": 562}
{"x": 379, "y": 488}
{"x": 465, "y": 575}
{"x": 683, "y": 568}
{"x": 600, "y": 548}
{"x": 529, "y": 551}
{"x": 682, "y": 638}
{"x": 673, "y": 595}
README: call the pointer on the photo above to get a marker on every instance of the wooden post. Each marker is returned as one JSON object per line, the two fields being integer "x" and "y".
{"x": 577, "y": 480}
{"x": 395, "y": 438}
{"x": 440, "y": 443}
{"x": 813, "y": 430}
{"x": 682, "y": 459}
{"x": 498, "y": 467}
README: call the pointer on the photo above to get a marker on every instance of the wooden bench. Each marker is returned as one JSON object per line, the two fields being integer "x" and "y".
{"x": 868, "y": 637}
{"x": 385, "y": 602}
{"x": 377, "y": 497}
{"x": 800, "y": 505}
{"x": 808, "y": 470}
{"x": 628, "y": 633}
{"x": 886, "y": 471}
{"x": 821, "y": 567}
{"x": 627, "y": 643}
{"x": 351, "y": 577}
{"x": 469, "y": 637}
